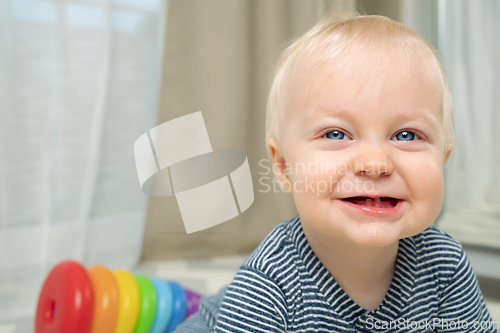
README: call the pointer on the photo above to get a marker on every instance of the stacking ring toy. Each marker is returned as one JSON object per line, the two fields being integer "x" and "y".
{"x": 105, "y": 300}
{"x": 179, "y": 311}
{"x": 129, "y": 302}
{"x": 66, "y": 300}
{"x": 148, "y": 304}
{"x": 97, "y": 300}
{"x": 192, "y": 302}
{"x": 164, "y": 308}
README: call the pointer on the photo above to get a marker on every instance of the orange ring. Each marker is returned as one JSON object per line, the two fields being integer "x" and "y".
{"x": 106, "y": 300}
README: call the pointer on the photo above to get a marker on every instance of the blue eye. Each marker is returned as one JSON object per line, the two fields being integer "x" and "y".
{"x": 335, "y": 135}
{"x": 405, "y": 136}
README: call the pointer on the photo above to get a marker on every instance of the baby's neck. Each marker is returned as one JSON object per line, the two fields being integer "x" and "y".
{"x": 365, "y": 274}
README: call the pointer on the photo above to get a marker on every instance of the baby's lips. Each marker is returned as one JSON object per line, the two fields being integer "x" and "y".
{"x": 377, "y": 203}
{"x": 371, "y": 196}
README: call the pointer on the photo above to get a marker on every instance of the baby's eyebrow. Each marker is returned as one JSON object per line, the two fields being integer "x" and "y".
{"x": 423, "y": 117}
{"x": 330, "y": 112}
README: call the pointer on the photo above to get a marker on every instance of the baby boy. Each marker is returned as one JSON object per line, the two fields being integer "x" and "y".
{"x": 359, "y": 128}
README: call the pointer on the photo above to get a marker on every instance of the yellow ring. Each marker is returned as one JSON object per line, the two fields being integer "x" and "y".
{"x": 129, "y": 302}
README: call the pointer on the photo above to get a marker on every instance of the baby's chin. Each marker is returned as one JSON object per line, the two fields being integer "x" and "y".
{"x": 384, "y": 234}
{"x": 377, "y": 234}
{"x": 374, "y": 237}
{"x": 358, "y": 235}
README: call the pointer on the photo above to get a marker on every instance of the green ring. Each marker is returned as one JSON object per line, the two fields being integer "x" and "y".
{"x": 147, "y": 310}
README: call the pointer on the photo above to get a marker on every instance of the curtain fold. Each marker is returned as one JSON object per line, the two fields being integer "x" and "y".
{"x": 79, "y": 83}
{"x": 470, "y": 31}
{"x": 219, "y": 59}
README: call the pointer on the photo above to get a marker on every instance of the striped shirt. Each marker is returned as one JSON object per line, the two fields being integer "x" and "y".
{"x": 283, "y": 287}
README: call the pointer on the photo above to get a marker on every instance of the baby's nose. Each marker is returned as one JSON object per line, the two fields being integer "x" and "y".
{"x": 372, "y": 160}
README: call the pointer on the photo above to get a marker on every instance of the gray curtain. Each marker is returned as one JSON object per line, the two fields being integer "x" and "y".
{"x": 219, "y": 58}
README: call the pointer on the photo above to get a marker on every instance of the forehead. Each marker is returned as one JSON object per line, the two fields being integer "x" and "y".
{"x": 402, "y": 84}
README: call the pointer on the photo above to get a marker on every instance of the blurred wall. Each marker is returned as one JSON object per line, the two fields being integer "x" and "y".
{"x": 390, "y": 8}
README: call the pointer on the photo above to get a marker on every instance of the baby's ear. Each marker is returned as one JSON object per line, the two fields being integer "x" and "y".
{"x": 448, "y": 153}
{"x": 279, "y": 165}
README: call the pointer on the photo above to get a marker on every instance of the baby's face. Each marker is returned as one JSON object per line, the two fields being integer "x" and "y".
{"x": 360, "y": 132}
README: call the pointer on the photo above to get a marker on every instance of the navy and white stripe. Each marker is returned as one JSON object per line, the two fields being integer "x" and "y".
{"x": 283, "y": 287}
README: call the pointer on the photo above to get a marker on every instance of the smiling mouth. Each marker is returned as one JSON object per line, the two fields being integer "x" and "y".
{"x": 382, "y": 202}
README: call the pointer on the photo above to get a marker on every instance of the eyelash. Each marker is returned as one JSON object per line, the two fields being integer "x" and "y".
{"x": 326, "y": 131}
{"x": 415, "y": 132}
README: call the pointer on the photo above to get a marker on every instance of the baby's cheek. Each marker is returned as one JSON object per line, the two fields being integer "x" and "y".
{"x": 426, "y": 183}
{"x": 314, "y": 186}
{"x": 317, "y": 176}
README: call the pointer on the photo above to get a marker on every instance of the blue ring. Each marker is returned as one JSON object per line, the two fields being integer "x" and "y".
{"x": 179, "y": 305}
{"x": 164, "y": 306}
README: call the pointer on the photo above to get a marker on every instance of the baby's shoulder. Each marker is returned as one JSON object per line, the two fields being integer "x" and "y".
{"x": 435, "y": 241}
{"x": 437, "y": 250}
{"x": 275, "y": 251}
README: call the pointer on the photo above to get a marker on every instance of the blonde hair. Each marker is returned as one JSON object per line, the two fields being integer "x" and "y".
{"x": 334, "y": 36}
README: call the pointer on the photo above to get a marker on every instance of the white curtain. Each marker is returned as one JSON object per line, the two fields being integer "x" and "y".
{"x": 470, "y": 47}
{"x": 79, "y": 83}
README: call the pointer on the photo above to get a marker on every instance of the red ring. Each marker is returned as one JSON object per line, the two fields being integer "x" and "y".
{"x": 66, "y": 300}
